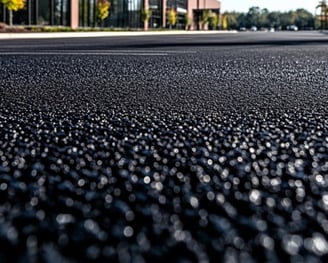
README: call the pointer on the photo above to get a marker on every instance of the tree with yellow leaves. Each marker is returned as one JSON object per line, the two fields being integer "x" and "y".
{"x": 145, "y": 16}
{"x": 172, "y": 17}
{"x": 103, "y": 9}
{"x": 224, "y": 22}
{"x": 13, "y": 5}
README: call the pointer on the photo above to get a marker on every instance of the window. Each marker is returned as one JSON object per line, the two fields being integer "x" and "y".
{"x": 134, "y": 5}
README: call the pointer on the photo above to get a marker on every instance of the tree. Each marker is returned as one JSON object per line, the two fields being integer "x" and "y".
{"x": 205, "y": 18}
{"x": 145, "y": 16}
{"x": 286, "y": 19}
{"x": 242, "y": 20}
{"x": 224, "y": 21}
{"x": 253, "y": 16}
{"x": 263, "y": 18}
{"x": 171, "y": 17}
{"x": 232, "y": 20}
{"x": 13, "y": 5}
{"x": 103, "y": 9}
{"x": 186, "y": 21}
{"x": 274, "y": 19}
{"x": 213, "y": 20}
{"x": 303, "y": 19}
{"x": 323, "y": 13}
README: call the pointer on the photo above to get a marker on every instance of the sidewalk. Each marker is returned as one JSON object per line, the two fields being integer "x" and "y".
{"x": 104, "y": 34}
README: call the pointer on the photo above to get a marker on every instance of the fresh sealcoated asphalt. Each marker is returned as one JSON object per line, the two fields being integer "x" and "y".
{"x": 164, "y": 148}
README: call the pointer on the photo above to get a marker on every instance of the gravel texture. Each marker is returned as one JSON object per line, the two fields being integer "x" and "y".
{"x": 216, "y": 155}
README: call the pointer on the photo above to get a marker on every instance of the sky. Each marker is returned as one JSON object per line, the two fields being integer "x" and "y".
{"x": 271, "y": 5}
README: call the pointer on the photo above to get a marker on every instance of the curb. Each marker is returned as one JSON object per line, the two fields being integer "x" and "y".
{"x": 47, "y": 35}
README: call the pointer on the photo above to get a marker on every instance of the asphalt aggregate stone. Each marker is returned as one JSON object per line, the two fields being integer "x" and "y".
{"x": 218, "y": 155}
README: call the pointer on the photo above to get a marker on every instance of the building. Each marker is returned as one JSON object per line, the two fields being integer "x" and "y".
{"x": 45, "y": 12}
{"x": 123, "y": 13}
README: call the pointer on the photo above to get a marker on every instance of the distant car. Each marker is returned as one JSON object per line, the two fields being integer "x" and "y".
{"x": 242, "y": 29}
{"x": 253, "y": 28}
{"x": 292, "y": 28}
{"x": 271, "y": 29}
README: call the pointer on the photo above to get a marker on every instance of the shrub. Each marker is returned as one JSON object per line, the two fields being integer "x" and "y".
{"x": 2, "y": 26}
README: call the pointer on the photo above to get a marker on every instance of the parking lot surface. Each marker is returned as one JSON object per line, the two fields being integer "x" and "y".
{"x": 164, "y": 148}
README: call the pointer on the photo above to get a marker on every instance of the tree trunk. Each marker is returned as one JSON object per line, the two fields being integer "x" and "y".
{"x": 146, "y": 25}
{"x": 10, "y": 17}
{"x": 146, "y": 8}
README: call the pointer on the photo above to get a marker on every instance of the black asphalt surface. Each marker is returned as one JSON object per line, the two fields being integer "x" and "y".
{"x": 191, "y": 148}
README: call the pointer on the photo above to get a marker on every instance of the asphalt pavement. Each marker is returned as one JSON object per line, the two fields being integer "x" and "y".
{"x": 157, "y": 148}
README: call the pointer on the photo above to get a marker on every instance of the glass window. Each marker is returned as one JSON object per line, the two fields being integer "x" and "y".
{"x": 2, "y": 13}
{"x": 43, "y": 14}
{"x": 134, "y": 5}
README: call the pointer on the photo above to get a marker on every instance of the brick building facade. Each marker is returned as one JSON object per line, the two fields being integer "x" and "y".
{"x": 123, "y": 13}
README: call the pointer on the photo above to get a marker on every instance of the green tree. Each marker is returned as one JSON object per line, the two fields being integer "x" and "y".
{"x": 103, "y": 9}
{"x": 253, "y": 16}
{"x": 303, "y": 19}
{"x": 286, "y": 19}
{"x": 205, "y": 18}
{"x": 274, "y": 19}
{"x": 145, "y": 16}
{"x": 242, "y": 20}
{"x": 263, "y": 18}
{"x": 213, "y": 20}
{"x": 13, "y": 5}
{"x": 232, "y": 20}
{"x": 172, "y": 17}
